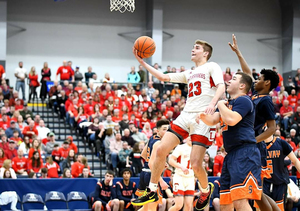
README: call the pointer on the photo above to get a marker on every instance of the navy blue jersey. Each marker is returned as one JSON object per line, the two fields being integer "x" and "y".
{"x": 103, "y": 193}
{"x": 150, "y": 144}
{"x": 278, "y": 149}
{"x": 243, "y": 131}
{"x": 264, "y": 110}
{"x": 124, "y": 192}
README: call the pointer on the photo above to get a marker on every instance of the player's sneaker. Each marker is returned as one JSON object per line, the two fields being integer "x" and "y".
{"x": 204, "y": 198}
{"x": 139, "y": 193}
{"x": 148, "y": 197}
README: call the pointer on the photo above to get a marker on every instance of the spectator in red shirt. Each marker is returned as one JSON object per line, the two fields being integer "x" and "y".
{"x": 36, "y": 146}
{"x": 35, "y": 163}
{"x": 56, "y": 156}
{"x": 18, "y": 105}
{"x": 2, "y": 72}
{"x": 71, "y": 144}
{"x": 12, "y": 101}
{"x": 116, "y": 116}
{"x": 53, "y": 168}
{"x": 3, "y": 142}
{"x": 19, "y": 163}
{"x": 292, "y": 98}
{"x": 30, "y": 130}
{"x": 286, "y": 112}
{"x": 288, "y": 139}
{"x": 33, "y": 84}
{"x": 218, "y": 162}
{"x": 64, "y": 150}
{"x": 89, "y": 107}
{"x": 78, "y": 166}
{"x": 65, "y": 72}
{"x": 5, "y": 123}
{"x": 81, "y": 116}
{"x": 11, "y": 152}
{"x": 2, "y": 157}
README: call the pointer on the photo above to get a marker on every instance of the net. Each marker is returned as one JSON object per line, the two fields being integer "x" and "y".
{"x": 122, "y": 5}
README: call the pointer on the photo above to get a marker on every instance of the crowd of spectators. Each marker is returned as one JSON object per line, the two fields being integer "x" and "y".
{"x": 117, "y": 119}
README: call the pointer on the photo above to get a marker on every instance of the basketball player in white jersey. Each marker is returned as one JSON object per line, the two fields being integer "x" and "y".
{"x": 205, "y": 88}
{"x": 183, "y": 179}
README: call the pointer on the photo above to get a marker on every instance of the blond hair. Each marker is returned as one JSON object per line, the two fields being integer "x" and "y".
{"x": 7, "y": 164}
{"x": 206, "y": 46}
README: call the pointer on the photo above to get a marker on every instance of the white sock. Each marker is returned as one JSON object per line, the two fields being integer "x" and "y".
{"x": 153, "y": 187}
{"x": 204, "y": 190}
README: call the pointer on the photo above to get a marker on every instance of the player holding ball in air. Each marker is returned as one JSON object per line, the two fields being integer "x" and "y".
{"x": 205, "y": 88}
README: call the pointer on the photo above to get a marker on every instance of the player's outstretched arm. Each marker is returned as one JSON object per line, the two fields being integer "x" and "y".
{"x": 243, "y": 63}
{"x": 219, "y": 95}
{"x": 209, "y": 120}
{"x": 230, "y": 117}
{"x": 159, "y": 75}
{"x": 294, "y": 160}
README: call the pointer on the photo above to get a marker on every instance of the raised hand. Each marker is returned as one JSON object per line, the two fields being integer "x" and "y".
{"x": 140, "y": 60}
{"x": 234, "y": 45}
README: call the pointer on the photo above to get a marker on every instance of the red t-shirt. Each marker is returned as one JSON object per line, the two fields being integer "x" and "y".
{"x": 218, "y": 164}
{"x": 10, "y": 154}
{"x": 285, "y": 110}
{"x": 33, "y": 80}
{"x": 1, "y": 161}
{"x": 65, "y": 72}
{"x": 77, "y": 169}
{"x": 74, "y": 147}
{"x": 19, "y": 163}
{"x": 27, "y": 129}
{"x": 34, "y": 168}
{"x": 292, "y": 100}
{"x": 56, "y": 153}
{"x": 64, "y": 152}
{"x": 52, "y": 169}
{"x": 4, "y": 125}
{"x": 89, "y": 109}
{"x": 19, "y": 107}
{"x": 2, "y": 71}
{"x": 31, "y": 151}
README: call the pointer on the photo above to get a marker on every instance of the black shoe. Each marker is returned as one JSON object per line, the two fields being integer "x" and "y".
{"x": 204, "y": 198}
{"x": 148, "y": 197}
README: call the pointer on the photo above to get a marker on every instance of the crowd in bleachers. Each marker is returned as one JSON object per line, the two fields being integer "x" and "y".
{"x": 116, "y": 119}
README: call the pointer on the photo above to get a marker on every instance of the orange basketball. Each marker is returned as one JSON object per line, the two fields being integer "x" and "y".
{"x": 145, "y": 46}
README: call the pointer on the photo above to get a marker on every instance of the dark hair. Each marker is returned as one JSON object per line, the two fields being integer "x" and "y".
{"x": 64, "y": 174}
{"x": 44, "y": 170}
{"x": 31, "y": 174}
{"x": 125, "y": 170}
{"x": 36, "y": 163}
{"x": 110, "y": 172}
{"x": 272, "y": 76}
{"x": 245, "y": 79}
{"x": 4, "y": 174}
{"x": 162, "y": 122}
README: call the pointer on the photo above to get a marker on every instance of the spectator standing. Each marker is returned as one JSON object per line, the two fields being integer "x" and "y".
{"x": 133, "y": 77}
{"x": 134, "y": 160}
{"x": 286, "y": 112}
{"x": 142, "y": 74}
{"x": 65, "y": 72}
{"x": 2, "y": 72}
{"x": 21, "y": 74}
{"x": 46, "y": 76}
{"x": 255, "y": 75}
{"x": 227, "y": 76}
{"x": 78, "y": 75}
{"x": 89, "y": 74}
{"x": 7, "y": 167}
{"x": 33, "y": 83}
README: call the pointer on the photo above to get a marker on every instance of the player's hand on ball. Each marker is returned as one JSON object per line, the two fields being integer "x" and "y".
{"x": 163, "y": 185}
{"x": 234, "y": 45}
{"x": 140, "y": 60}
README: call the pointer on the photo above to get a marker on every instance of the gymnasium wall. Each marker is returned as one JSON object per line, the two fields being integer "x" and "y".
{"x": 86, "y": 32}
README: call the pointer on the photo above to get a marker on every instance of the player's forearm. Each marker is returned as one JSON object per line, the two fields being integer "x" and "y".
{"x": 228, "y": 116}
{"x": 219, "y": 93}
{"x": 267, "y": 133}
{"x": 243, "y": 63}
{"x": 211, "y": 120}
{"x": 174, "y": 163}
{"x": 159, "y": 75}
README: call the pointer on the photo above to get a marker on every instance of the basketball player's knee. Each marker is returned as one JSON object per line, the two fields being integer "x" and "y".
{"x": 196, "y": 165}
{"x": 121, "y": 202}
{"x": 115, "y": 202}
{"x": 239, "y": 204}
{"x": 98, "y": 205}
{"x": 161, "y": 152}
{"x": 216, "y": 201}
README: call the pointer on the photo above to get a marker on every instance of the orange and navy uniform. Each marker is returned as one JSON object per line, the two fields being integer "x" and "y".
{"x": 264, "y": 111}
{"x": 103, "y": 193}
{"x": 276, "y": 186}
{"x": 146, "y": 173}
{"x": 125, "y": 193}
{"x": 243, "y": 156}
